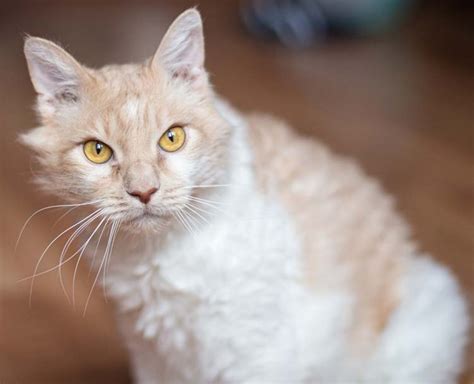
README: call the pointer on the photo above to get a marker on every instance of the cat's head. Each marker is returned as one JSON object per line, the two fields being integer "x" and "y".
{"x": 132, "y": 138}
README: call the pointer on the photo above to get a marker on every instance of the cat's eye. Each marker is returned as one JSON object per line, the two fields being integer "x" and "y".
{"x": 173, "y": 139}
{"x": 97, "y": 152}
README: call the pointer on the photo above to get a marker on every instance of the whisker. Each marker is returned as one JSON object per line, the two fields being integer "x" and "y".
{"x": 71, "y": 239}
{"x": 105, "y": 255}
{"x": 63, "y": 216}
{"x": 208, "y": 186}
{"x": 184, "y": 222}
{"x": 49, "y": 246}
{"x": 219, "y": 209}
{"x": 190, "y": 204}
{"x": 107, "y": 261}
{"x": 191, "y": 220}
{"x": 45, "y": 209}
{"x": 190, "y": 224}
{"x": 56, "y": 266}
{"x": 82, "y": 249}
{"x": 98, "y": 273}
{"x": 178, "y": 218}
{"x": 204, "y": 202}
{"x": 187, "y": 206}
{"x": 92, "y": 263}
{"x": 207, "y": 200}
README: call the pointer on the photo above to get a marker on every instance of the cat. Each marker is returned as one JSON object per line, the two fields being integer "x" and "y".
{"x": 246, "y": 253}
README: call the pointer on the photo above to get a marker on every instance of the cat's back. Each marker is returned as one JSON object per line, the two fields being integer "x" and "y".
{"x": 327, "y": 195}
{"x": 352, "y": 237}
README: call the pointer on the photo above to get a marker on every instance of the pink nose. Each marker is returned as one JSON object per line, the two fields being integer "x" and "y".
{"x": 144, "y": 197}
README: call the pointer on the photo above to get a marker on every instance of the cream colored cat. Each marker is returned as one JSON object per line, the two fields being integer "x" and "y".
{"x": 246, "y": 254}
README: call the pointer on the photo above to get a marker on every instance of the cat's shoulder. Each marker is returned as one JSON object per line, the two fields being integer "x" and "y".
{"x": 283, "y": 155}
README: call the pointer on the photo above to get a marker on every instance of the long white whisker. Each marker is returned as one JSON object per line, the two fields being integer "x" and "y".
{"x": 106, "y": 254}
{"x": 186, "y": 222}
{"x": 188, "y": 206}
{"x": 49, "y": 246}
{"x": 178, "y": 217}
{"x": 204, "y": 202}
{"x": 217, "y": 203}
{"x": 219, "y": 209}
{"x": 92, "y": 263}
{"x": 208, "y": 186}
{"x": 191, "y": 219}
{"x": 45, "y": 209}
{"x": 83, "y": 248}
{"x": 61, "y": 264}
{"x": 107, "y": 262}
{"x": 63, "y": 216}
{"x": 98, "y": 274}
{"x": 76, "y": 233}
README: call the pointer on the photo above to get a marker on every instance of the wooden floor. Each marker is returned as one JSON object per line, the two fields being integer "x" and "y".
{"x": 401, "y": 104}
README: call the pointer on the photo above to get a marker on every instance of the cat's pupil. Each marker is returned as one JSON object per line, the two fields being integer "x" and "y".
{"x": 98, "y": 148}
{"x": 170, "y": 136}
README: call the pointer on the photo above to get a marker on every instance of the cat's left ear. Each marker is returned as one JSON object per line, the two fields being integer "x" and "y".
{"x": 181, "y": 52}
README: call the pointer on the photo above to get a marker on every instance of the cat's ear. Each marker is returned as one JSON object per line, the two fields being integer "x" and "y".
{"x": 181, "y": 52}
{"x": 55, "y": 74}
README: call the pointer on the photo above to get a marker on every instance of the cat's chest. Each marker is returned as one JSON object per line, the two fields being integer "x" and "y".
{"x": 233, "y": 266}
{"x": 250, "y": 241}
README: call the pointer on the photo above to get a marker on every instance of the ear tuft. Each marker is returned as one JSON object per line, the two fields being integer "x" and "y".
{"x": 53, "y": 72}
{"x": 181, "y": 52}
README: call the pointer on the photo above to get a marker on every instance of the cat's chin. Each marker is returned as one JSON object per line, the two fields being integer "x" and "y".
{"x": 146, "y": 223}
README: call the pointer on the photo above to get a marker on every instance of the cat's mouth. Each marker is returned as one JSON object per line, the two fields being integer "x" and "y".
{"x": 145, "y": 215}
{"x": 145, "y": 221}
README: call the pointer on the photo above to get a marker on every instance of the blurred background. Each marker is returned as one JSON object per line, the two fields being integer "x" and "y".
{"x": 389, "y": 83}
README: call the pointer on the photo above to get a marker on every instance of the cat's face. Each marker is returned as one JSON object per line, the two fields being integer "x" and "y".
{"x": 133, "y": 139}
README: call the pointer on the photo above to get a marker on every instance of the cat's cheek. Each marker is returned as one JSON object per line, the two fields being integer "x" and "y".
{"x": 178, "y": 165}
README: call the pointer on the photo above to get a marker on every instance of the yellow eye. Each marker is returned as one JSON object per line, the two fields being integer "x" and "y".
{"x": 97, "y": 152}
{"x": 173, "y": 139}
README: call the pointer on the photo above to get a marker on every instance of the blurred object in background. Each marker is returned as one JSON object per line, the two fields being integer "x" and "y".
{"x": 299, "y": 23}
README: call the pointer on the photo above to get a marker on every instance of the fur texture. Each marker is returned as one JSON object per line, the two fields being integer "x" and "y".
{"x": 262, "y": 257}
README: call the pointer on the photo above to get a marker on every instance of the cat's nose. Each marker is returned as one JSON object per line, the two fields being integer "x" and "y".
{"x": 144, "y": 197}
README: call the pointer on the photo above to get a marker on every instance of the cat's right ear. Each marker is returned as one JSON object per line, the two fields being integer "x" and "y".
{"x": 56, "y": 76}
{"x": 181, "y": 52}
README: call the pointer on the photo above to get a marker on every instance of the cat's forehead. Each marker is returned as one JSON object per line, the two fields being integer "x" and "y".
{"x": 128, "y": 121}
{"x": 135, "y": 100}
{"x": 122, "y": 81}
{"x": 130, "y": 86}
{"x": 131, "y": 99}
{"x": 126, "y": 92}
